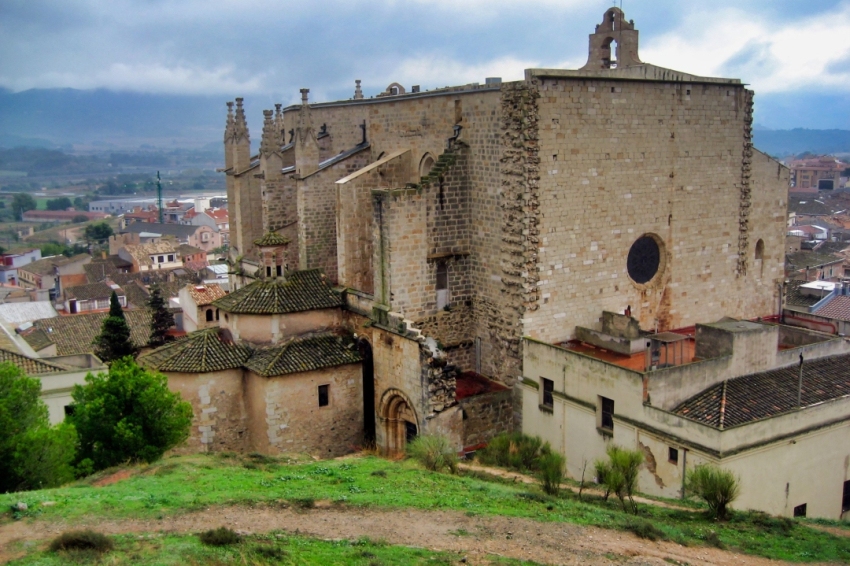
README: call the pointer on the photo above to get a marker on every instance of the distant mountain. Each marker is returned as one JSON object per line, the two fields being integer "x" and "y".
{"x": 787, "y": 142}
{"x": 108, "y": 120}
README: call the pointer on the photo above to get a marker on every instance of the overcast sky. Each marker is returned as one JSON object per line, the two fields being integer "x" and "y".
{"x": 788, "y": 50}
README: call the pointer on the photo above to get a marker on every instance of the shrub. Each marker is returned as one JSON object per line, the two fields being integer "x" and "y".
{"x": 82, "y": 540}
{"x": 620, "y": 474}
{"x": 435, "y": 452}
{"x": 127, "y": 414}
{"x": 551, "y": 472}
{"x": 645, "y": 529}
{"x": 717, "y": 487}
{"x": 514, "y": 450}
{"x": 221, "y": 536}
{"x": 603, "y": 468}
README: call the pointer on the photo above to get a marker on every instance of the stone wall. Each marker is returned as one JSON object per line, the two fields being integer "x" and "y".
{"x": 485, "y": 416}
{"x": 287, "y": 418}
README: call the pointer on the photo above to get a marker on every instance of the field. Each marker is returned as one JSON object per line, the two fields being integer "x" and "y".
{"x": 382, "y": 507}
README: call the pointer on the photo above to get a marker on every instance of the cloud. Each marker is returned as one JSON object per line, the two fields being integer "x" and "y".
{"x": 772, "y": 56}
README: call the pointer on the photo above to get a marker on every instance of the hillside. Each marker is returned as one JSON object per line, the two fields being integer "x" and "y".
{"x": 375, "y": 511}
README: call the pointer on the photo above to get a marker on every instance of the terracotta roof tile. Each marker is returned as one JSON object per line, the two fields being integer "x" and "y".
{"x": 757, "y": 396}
{"x": 793, "y": 296}
{"x": 29, "y": 365}
{"x": 205, "y": 294}
{"x": 204, "y": 351}
{"x": 300, "y": 291}
{"x": 304, "y": 354}
{"x": 91, "y": 291}
{"x": 272, "y": 239}
{"x": 74, "y": 334}
{"x": 37, "y": 338}
{"x": 837, "y": 308}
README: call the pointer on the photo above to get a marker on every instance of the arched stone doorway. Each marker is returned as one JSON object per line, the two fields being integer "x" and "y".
{"x": 398, "y": 421}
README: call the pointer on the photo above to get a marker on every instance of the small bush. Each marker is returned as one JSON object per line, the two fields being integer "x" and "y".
{"x": 221, "y": 536}
{"x": 514, "y": 450}
{"x": 551, "y": 472}
{"x": 717, "y": 487}
{"x": 435, "y": 452}
{"x": 304, "y": 503}
{"x": 87, "y": 540}
{"x": 711, "y": 539}
{"x": 620, "y": 474}
{"x": 645, "y": 529}
{"x": 271, "y": 552}
{"x": 380, "y": 473}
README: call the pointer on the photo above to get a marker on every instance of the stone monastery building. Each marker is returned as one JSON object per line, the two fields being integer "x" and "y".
{"x": 457, "y": 261}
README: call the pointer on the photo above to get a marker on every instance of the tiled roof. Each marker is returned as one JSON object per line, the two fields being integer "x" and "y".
{"x": 300, "y": 291}
{"x": 213, "y": 349}
{"x": 136, "y": 293}
{"x": 272, "y": 239}
{"x": 794, "y": 298}
{"x": 766, "y": 394}
{"x": 74, "y": 334}
{"x": 29, "y": 365}
{"x": 837, "y": 308}
{"x": 100, "y": 269}
{"x": 200, "y": 352}
{"x": 44, "y": 266}
{"x": 186, "y": 249}
{"x": 142, "y": 252}
{"x": 205, "y": 294}
{"x": 91, "y": 291}
{"x": 801, "y": 260}
{"x": 181, "y": 231}
{"x": 37, "y": 339}
{"x": 304, "y": 354}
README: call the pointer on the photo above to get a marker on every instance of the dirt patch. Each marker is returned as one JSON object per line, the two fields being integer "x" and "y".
{"x": 114, "y": 478}
{"x": 476, "y": 537}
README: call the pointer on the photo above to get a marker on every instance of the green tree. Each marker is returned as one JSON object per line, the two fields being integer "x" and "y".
{"x": 98, "y": 232}
{"x": 127, "y": 415}
{"x": 32, "y": 453}
{"x": 21, "y": 203}
{"x": 161, "y": 319}
{"x": 79, "y": 219}
{"x": 61, "y": 203}
{"x": 717, "y": 487}
{"x": 113, "y": 342}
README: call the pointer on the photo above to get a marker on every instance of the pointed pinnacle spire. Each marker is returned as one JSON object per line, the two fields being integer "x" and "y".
{"x": 228, "y": 128}
{"x": 358, "y": 93}
{"x": 268, "y": 143}
{"x": 240, "y": 126}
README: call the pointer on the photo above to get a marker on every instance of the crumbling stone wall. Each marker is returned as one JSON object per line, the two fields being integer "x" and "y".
{"x": 486, "y": 416}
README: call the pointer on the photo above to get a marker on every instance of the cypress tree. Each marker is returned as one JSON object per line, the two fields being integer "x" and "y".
{"x": 161, "y": 319}
{"x": 113, "y": 342}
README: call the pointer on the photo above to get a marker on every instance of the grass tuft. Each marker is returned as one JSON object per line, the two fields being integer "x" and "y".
{"x": 221, "y": 536}
{"x": 87, "y": 540}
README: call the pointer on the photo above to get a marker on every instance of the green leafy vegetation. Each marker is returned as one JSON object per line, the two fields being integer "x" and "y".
{"x": 87, "y": 540}
{"x": 221, "y": 536}
{"x": 619, "y": 474}
{"x": 61, "y": 203}
{"x": 434, "y": 452}
{"x": 22, "y": 202}
{"x": 127, "y": 415}
{"x": 32, "y": 453}
{"x": 184, "y": 484}
{"x": 161, "y": 320}
{"x": 718, "y": 488}
{"x": 98, "y": 232}
{"x": 550, "y": 472}
{"x": 515, "y": 450}
{"x": 113, "y": 342}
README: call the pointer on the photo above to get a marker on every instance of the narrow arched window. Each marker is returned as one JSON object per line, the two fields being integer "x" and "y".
{"x": 760, "y": 249}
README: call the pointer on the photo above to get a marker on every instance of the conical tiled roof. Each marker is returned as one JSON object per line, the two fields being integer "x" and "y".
{"x": 272, "y": 239}
{"x": 304, "y": 354}
{"x": 200, "y": 352}
{"x": 300, "y": 291}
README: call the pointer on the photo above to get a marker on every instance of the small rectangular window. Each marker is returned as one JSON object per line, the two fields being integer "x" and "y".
{"x": 279, "y": 270}
{"x": 673, "y": 455}
{"x": 606, "y": 415}
{"x": 548, "y": 388}
{"x": 69, "y": 410}
{"x": 160, "y": 258}
{"x": 800, "y": 510}
{"x": 170, "y": 258}
{"x": 845, "y": 498}
{"x": 324, "y": 395}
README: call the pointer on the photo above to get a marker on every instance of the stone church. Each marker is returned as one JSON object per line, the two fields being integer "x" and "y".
{"x": 391, "y": 255}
